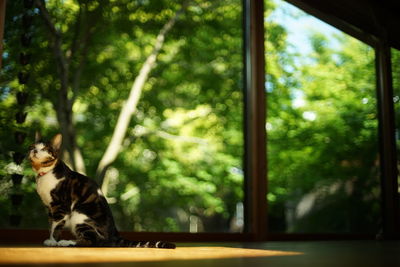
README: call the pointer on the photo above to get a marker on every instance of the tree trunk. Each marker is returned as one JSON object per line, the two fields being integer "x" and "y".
{"x": 63, "y": 104}
{"x": 130, "y": 105}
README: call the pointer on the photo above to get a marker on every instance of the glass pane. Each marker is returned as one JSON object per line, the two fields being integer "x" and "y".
{"x": 179, "y": 167}
{"x": 321, "y": 126}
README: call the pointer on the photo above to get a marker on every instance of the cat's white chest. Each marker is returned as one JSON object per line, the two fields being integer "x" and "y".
{"x": 45, "y": 184}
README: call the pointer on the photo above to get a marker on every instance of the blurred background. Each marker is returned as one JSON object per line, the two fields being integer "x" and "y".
{"x": 149, "y": 98}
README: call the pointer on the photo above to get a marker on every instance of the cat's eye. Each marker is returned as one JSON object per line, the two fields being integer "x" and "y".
{"x": 48, "y": 161}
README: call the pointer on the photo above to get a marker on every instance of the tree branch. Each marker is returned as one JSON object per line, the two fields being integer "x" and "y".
{"x": 130, "y": 105}
{"x": 83, "y": 52}
{"x": 64, "y": 105}
{"x": 56, "y": 36}
{"x": 165, "y": 135}
{"x": 76, "y": 40}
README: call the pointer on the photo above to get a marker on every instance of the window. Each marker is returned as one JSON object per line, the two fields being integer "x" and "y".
{"x": 322, "y": 127}
{"x": 179, "y": 168}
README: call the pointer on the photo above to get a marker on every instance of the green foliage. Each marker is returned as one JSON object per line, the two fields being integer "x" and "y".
{"x": 181, "y": 158}
{"x": 185, "y": 142}
{"x": 322, "y": 140}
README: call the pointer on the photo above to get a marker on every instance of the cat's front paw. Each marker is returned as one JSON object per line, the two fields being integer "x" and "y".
{"x": 66, "y": 243}
{"x": 50, "y": 242}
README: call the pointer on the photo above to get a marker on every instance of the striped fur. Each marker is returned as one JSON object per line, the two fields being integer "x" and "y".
{"x": 75, "y": 202}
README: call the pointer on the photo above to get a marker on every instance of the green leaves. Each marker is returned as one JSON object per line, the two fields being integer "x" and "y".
{"x": 181, "y": 161}
{"x": 322, "y": 137}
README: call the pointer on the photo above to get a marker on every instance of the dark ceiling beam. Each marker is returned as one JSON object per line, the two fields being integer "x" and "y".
{"x": 361, "y": 19}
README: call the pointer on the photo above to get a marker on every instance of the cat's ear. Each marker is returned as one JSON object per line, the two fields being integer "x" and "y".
{"x": 38, "y": 136}
{"x": 56, "y": 142}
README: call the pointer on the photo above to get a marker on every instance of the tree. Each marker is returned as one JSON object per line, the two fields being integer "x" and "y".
{"x": 130, "y": 105}
{"x": 323, "y": 142}
{"x": 178, "y": 165}
{"x": 205, "y": 81}
{"x": 69, "y": 53}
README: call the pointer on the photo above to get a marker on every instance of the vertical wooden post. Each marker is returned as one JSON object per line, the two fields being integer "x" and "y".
{"x": 388, "y": 157}
{"x": 2, "y": 19}
{"x": 254, "y": 120}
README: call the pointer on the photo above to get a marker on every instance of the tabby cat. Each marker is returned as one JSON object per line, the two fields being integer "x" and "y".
{"x": 75, "y": 202}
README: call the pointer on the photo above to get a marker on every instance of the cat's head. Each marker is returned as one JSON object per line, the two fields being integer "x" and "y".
{"x": 44, "y": 155}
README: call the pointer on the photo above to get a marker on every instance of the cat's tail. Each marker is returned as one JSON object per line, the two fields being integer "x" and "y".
{"x": 144, "y": 244}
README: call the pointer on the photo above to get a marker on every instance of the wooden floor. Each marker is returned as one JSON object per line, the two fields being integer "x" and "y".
{"x": 338, "y": 253}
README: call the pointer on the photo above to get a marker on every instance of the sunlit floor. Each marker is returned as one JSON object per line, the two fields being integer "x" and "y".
{"x": 339, "y": 253}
